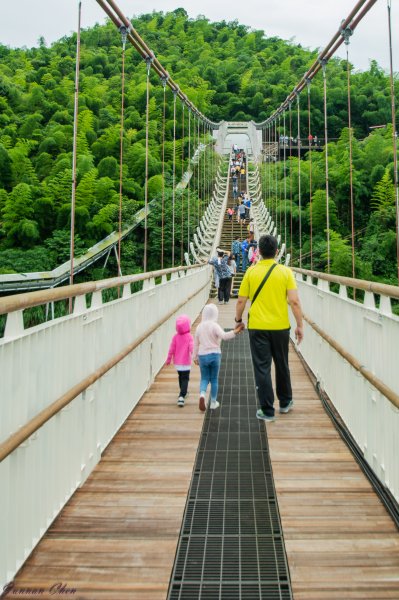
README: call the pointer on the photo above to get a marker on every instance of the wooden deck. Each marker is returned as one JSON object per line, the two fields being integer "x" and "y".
{"x": 116, "y": 538}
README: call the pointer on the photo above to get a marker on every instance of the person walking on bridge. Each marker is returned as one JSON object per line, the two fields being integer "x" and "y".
{"x": 270, "y": 287}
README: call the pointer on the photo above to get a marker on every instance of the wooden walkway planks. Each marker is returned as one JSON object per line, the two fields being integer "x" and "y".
{"x": 116, "y": 538}
{"x": 341, "y": 544}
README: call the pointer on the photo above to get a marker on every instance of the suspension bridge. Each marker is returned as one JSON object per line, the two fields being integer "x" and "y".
{"x": 110, "y": 490}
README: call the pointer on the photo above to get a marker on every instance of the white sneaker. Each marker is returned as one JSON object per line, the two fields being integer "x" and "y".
{"x": 180, "y": 401}
{"x": 214, "y": 404}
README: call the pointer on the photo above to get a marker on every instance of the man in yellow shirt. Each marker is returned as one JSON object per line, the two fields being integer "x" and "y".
{"x": 270, "y": 287}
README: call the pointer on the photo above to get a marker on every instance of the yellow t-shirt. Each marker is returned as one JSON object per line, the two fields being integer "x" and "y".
{"x": 270, "y": 310}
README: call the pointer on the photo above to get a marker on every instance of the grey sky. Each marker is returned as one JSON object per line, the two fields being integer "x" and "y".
{"x": 311, "y": 23}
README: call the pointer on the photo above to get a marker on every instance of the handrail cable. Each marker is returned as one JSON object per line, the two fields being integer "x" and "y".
{"x": 394, "y": 135}
{"x": 118, "y": 18}
{"x": 74, "y": 149}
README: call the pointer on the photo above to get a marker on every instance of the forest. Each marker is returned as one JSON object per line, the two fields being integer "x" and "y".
{"x": 230, "y": 72}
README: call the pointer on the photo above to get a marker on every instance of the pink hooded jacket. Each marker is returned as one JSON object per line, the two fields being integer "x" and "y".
{"x": 181, "y": 346}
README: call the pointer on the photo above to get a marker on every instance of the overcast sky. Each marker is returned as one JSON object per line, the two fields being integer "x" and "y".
{"x": 311, "y": 23}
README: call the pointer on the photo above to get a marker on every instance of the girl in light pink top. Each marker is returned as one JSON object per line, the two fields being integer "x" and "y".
{"x": 180, "y": 351}
{"x": 207, "y": 352}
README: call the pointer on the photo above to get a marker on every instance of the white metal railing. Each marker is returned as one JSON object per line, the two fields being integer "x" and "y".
{"x": 67, "y": 385}
{"x": 351, "y": 347}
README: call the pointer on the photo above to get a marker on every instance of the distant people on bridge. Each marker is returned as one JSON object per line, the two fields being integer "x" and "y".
{"x": 231, "y": 263}
{"x": 180, "y": 352}
{"x": 236, "y": 251}
{"x": 270, "y": 287}
{"x": 230, "y": 213}
{"x": 220, "y": 265}
{"x": 241, "y": 211}
{"x": 247, "y": 207}
{"x": 207, "y": 353}
{"x": 251, "y": 226}
{"x": 244, "y": 254}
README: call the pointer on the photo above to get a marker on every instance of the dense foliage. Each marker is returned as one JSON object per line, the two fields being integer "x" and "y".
{"x": 373, "y": 201}
{"x": 229, "y": 71}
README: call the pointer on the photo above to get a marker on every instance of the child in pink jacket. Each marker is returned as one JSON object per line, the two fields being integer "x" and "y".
{"x": 180, "y": 351}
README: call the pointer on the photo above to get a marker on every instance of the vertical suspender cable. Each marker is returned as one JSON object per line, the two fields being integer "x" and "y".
{"x": 205, "y": 168}
{"x": 174, "y": 176}
{"x": 278, "y": 181}
{"x": 285, "y": 180}
{"x": 164, "y": 80}
{"x": 394, "y": 136}
{"x": 182, "y": 189}
{"x": 299, "y": 182}
{"x": 291, "y": 246}
{"x": 348, "y": 70}
{"x": 324, "y": 64}
{"x": 147, "y": 119}
{"x": 74, "y": 152}
{"x": 310, "y": 138}
{"x": 199, "y": 178}
{"x": 123, "y": 32}
{"x": 189, "y": 181}
{"x": 275, "y": 174}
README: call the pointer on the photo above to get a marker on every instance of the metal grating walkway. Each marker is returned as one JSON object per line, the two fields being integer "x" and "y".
{"x": 231, "y": 545}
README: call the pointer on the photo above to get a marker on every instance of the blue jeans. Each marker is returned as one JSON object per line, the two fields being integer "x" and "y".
{"x": 209, "y": 367}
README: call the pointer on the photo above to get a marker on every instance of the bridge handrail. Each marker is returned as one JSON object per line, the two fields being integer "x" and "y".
{"x": 22, "y": 434}
{"x": 385, "y": 390}
{"x": 16, "y": 302}
{"x": 374, "y": 287}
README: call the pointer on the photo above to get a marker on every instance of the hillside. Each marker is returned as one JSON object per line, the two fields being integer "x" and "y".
{"x": 229, "y": 71}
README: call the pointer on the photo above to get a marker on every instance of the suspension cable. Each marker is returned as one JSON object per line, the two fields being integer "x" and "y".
{"x": 74, "y": 152}
{"x": 326, "y": 157}
{"x": 123, "y": 32}
{"x": 310, "y": 138}
{"x": 147, "y": 119}
{"x": 394, "y": 135}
